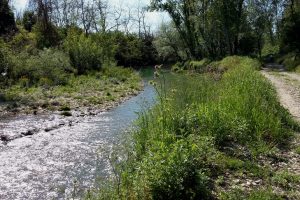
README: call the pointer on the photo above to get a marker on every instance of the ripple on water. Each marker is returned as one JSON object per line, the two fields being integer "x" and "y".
{"x": 45, "y": 165}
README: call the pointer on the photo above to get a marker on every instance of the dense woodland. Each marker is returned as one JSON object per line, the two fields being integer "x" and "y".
{"x": 198, "y": 29}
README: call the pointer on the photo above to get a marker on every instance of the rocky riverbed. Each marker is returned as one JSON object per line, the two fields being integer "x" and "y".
{"x": 56, "y": 157}
{"x": 25, "y": 121}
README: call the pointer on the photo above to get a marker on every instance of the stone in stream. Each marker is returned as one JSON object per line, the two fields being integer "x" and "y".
{"x": 10, "y": 136}
{"x": 4, "y": 138}
{"x": 48, "y": 129}
{"x": 30, "y": 132}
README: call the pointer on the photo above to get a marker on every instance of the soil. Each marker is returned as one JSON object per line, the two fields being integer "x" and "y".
{"x": 287, "y": 85}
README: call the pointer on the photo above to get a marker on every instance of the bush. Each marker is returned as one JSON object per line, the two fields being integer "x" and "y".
{"x": 24, "y": 41}
{"x": 6, "y": 65}
{"x": 47, "y": 35}
{"x": 290, "y": 61}
{"x": 119, "y": 73}
{"x": 29, "y": 20}
{"x": 177, "y": 67}
{"x": 129, "y": 49}
{"x": 85, "y": 54}
{"x": 173, "y": 172}
{"x": 199, "y": 66}
{"x": 269, "y": 49}
{"x": 49, "y": 67}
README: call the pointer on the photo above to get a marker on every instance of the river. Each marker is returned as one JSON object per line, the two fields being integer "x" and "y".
{"x": 49, "y": 165}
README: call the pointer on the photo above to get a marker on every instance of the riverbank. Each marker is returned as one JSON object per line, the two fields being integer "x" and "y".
{"x": 34, "y": 109}
{"x": 67, "y": 161}
{"x": 210, "y": 138}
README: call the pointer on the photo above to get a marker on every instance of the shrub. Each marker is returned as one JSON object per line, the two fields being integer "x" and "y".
{"x": 49, "y": 67}
{"x": 174, "y": 172}
{"x": 269, "y": 49}
{"x": 199, "y": 66}
{"x": 118, "y": 73}
{"x": 46, "y": 35}
{"x": 85, "y": 54}
{"x": 177, "y": 67}
{"x": 6, "y": 65}
{"x": 290, "y": 61}
{"x": 129, "y": 51}
{"x": 29, "y": 20}
{"x": 24, "y": 41}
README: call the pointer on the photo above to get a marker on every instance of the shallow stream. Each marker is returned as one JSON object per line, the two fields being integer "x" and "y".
{"x": 50, "y": 165}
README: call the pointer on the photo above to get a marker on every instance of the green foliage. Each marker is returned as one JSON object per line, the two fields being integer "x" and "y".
{"x": 237, "y": 194}
{"x": 177, "y": 67}
{"x": 24, "y": 41}
{"x": 65, "y": 108}
{"x": 109, "y": 47}
{"x": 177, "y": 149}
{"x": 6, "y": 64}
{"x": 118, "y": 73}
{"x": 46, "y": 35}
{"x": 83, "y": 90}
{"x": 7, "y": 19}
{"x": 285, "y": 179}
{"x": 297, "y": 150}
{"x": 270, "y": 49}
{"x": 29, "y": 20}
{"x": 290, "y": 40}
{"x": 168, "y": 44}
{"x": 129, "y": 49}
{"x": 48, "y": 68}
{"x": 199, "y": 66}
{"x": 173, "y": 171}
{"x": 290, "y": 61}
{"x": 85, "y": 54}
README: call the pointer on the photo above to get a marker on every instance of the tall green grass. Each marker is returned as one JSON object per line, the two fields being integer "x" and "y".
{"x": 180, "y": 144}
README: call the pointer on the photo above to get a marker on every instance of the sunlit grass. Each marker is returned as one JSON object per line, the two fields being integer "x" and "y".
{"x": 93, "y": 89}
{"x": 200, "y": 128}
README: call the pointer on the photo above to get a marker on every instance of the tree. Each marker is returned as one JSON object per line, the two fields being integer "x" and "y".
{"x": 46, "y": 32}
{"x": 183, "y": 14}
{"x": 7, "y": 19}
{"x": 204, "y": 25}
{"x": 169, "y": 45}
{"x": 29, "y": 20}
{"x": 290, "y": 40}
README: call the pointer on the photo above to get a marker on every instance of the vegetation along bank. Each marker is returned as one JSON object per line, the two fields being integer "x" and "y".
{"x": 212, "y": 135}
{"x": 45, "y": 67}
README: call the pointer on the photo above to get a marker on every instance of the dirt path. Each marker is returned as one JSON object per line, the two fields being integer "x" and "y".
{"x": 287, "y": 85}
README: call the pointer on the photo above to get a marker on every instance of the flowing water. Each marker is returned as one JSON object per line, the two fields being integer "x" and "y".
{"x": 52, "y": 165}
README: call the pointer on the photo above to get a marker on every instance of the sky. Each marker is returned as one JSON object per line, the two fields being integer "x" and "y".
{"x": 153, "y": 18}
